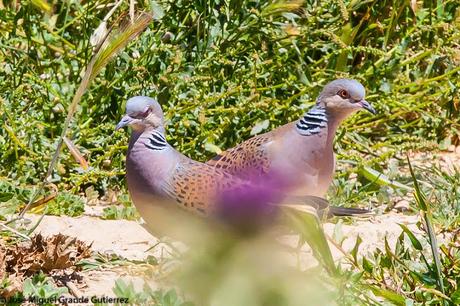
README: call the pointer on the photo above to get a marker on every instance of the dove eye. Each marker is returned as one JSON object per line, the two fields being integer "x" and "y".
{"x": 343, "y": 94}
{"x": 146, "y": 112}
{"x": 142, "y": 115}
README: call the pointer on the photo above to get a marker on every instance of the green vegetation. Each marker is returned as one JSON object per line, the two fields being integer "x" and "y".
{"x": 37, "y": 288}
{"x": 219, "y": 71}
{"x": 225, "y": 70}
{"x": 40, "y": 287}
{"x": 148, "y": 295}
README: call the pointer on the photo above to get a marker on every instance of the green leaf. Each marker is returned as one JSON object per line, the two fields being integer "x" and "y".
{"x": 415, "y": 242}
{"x": 157, "y": 10}
{"x": 310, "y": 229}
{"x": 455, "y": 297}
{"x": 380, "y": 179}
{"x": 28, "y": 287}
{"x": 42, "y": 5}
{"x": 391, "y": 296}
{"x": 419, "y": 195}
{"x": 210, "y": 147}
{"x": 6, "y": 196}
{"x": 338, "y": 235}
{"x": 367, "y": 266}
{"x": 259, "y": 127}
{"x": 354, "y": 252}
{"x": 420, "y": 198}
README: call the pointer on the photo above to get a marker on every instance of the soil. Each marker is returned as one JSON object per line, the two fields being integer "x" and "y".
{"x": 129, "y": 240}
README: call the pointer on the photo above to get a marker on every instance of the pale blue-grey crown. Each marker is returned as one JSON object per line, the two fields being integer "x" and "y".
{"x": 354, "y": 88}
{"x": 139, "y": 104}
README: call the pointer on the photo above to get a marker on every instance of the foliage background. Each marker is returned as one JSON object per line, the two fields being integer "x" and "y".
{"x": 226, "y": 70}
{"x": 223, "y": 70}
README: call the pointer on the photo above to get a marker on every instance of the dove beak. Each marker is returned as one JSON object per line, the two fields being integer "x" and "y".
{"x": 367, "y": 106}
{"x": 126, "y": 120}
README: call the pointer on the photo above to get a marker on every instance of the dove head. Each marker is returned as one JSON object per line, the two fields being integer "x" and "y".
{"x": 342, "y": 97}
{"x": 142, "y": 113}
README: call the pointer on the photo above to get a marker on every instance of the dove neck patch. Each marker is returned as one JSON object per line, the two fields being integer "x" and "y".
{"x": 156, "y": 141}
{"x": 312, "y": 122}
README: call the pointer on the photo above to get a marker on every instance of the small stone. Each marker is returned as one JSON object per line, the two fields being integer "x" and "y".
{"x": 106, "y": 163}
{"x": 402, "y": 206}
{"x": 58, "y": 108}
{"x": 451, "y": 148}
{"x": 353, "y": 176}
{"x": 167, "y": 37}
{"x": 457, "y": 150}
{"x": 136, "y": 54}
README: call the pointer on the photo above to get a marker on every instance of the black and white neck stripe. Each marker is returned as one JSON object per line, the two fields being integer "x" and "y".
{"x": 156, "y": 141}
{"x": 312, "y": 122}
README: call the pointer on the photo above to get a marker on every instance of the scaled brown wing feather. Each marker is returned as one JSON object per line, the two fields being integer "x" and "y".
{"x": 248, "y": 158}
{"x": 195, "y": 186}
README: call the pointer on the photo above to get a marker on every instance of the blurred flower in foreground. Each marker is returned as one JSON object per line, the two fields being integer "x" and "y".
{"x": 229, "y": 270}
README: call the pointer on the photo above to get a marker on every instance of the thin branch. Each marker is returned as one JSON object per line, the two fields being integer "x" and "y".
{"x": 6, "y": 227}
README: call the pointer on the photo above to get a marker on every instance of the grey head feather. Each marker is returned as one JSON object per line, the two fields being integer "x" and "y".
{"x": 355, "y": 89}
{"x": 139, "y": 104}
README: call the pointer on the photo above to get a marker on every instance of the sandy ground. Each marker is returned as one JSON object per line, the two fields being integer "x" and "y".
{"x": 130, "y": 240}
{"x": 127, "y": 239}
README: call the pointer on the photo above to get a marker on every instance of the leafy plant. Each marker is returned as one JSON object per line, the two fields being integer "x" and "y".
{"x": 66, "y": 204}
{"x": 148, "y": 295}
{"x": 40, "y": 287}
{"x": 415, "y": 271}
{"x": 212, "y": 67}
{"x": 114, "y": 212}
{"x": 100, "y": 261}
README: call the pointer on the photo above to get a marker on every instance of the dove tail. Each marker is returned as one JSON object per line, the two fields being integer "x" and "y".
{"x": 322, "y": 206}
{"x": 343, "y": 211}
